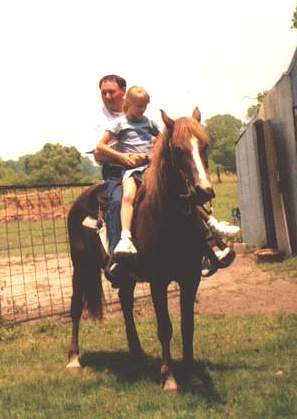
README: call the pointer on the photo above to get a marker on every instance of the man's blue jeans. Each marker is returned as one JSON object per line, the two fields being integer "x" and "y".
{"x": 113, "y": 216}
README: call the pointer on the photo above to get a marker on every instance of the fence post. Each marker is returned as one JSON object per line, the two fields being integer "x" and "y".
{"x": 219, "y": 174}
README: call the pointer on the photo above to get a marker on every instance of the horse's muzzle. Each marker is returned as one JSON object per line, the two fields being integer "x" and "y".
{"x": 204, "y": 195}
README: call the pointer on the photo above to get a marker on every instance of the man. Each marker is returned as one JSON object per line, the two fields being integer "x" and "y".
{"x": 112, "y": 89}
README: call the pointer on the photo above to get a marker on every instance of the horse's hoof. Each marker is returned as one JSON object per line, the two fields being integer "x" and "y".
{"x": 170, "y": 386}
{"x": 74, "y": 362}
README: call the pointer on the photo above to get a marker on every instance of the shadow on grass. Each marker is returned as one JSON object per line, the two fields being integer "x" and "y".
{"x": 129, "y": 370}
{"x": 126, "y": 368}
{"x": 200, "y": 383}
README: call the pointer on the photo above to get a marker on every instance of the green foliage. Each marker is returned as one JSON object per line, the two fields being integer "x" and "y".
{"x": 11, "y": 174}
{"x": 223, "y": 131}
{"x": 254, "y": 109}
{"x": 54, "y": 163}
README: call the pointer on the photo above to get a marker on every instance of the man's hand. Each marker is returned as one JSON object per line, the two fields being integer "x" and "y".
{"x": 105, "y": 154}
{"x": 133, "y": 160}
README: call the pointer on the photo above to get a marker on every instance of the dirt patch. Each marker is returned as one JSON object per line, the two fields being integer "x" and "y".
{"x": 37, "y": 287}
{"x": 43, "y": 287}
{"x": 245, "y": 287}
{"x": 242, "y": 288}
{"x": 33, "y": 206}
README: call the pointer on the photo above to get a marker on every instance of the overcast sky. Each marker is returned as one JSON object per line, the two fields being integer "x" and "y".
{"x": 213, "y": 53}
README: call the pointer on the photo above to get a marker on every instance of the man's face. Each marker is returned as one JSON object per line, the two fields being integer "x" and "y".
{"x": 112, "y": 96}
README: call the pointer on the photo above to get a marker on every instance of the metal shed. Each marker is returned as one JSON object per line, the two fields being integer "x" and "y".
{"x": 266, "y": 161}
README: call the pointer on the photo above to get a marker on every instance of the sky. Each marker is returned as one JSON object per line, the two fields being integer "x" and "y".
{"x": 217, "y": 54}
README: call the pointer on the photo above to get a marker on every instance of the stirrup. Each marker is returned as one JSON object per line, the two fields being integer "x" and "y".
{"x": 209, "y": 268}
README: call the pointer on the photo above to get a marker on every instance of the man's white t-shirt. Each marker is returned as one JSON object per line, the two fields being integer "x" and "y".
{"x": 105, "y": 118}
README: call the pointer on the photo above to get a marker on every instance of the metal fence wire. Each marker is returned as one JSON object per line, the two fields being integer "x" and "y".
{"x": 35, "y": 265}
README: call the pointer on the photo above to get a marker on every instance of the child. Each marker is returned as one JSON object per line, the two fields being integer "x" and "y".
{"x": 135, "y": 134}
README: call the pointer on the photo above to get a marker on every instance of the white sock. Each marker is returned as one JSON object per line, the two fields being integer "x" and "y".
{"x": 212, "y": 221}
{"x": 126, "y": 234}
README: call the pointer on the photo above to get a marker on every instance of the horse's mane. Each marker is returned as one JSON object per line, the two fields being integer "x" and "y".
{"x": 157, "y": 173}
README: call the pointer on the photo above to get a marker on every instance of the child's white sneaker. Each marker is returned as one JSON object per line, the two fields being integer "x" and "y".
{"x": 125, "y": 247}
{"x": 221, "y": 254}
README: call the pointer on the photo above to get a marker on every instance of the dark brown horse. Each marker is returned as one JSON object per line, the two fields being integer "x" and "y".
{"x": 168, "y": 233}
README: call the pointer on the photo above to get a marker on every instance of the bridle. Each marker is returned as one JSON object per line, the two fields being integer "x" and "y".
{"x": 191, "y": 195}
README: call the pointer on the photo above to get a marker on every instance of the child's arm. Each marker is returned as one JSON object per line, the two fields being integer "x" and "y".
{"x": 106, "y": 154}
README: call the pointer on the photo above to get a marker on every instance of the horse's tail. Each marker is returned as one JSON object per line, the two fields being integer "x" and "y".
{"x": 88, "y": 258}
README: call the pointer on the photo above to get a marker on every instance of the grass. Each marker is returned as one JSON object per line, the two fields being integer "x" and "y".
{"x": 33, "y": 238}
{"x": 44, "y": 233}
{"x": 226, "y": 198}
{"x": 288, "y": 267}
{"x": 246, "y": 367}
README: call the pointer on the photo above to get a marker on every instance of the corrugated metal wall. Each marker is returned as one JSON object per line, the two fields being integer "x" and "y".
{"x": 280, "y": 153}
{"x": 250, "y": 194}
{"x": 278, "y": 109}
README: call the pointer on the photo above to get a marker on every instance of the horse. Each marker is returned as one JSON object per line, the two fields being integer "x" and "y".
{"x": 169, "y": 235}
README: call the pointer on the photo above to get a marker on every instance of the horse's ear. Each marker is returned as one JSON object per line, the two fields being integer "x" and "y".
{"x": 167, "y": 121}
{"x": 196, "y": 114}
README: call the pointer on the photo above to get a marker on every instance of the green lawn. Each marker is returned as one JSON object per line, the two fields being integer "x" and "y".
{"x": 245, "y": 367}
{"x": 287, "y": 268}
{"x": 226, "y": 198}
{"x": 33, "y": 238}
{"x": 38, "y": 230}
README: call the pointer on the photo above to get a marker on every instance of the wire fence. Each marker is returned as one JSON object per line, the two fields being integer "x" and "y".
{"x": 35, "y": 264}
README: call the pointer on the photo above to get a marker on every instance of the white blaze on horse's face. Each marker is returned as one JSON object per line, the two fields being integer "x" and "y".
{"x": 203, "y": 179}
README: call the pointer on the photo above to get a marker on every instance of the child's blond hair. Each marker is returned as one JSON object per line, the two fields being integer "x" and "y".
{"x": 134, "y": 93}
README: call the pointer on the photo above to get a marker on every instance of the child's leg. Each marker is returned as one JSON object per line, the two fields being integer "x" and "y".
{"x": 129, "y": 192}
{"x": 218, "y": 253}
{"x": 221, "y": 229}
{"x": 125, "y": 247}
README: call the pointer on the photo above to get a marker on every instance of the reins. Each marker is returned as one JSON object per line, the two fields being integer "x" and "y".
{"x": 186, "y": 199}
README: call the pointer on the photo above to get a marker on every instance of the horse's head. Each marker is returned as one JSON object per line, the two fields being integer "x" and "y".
{"x": 187, "y": 142}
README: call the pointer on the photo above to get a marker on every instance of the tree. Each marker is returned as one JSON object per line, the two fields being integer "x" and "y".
{"x": 54, "y": 164}
{"x": 253, "y": 110}
{"x": 223, "y": 131}
{"x": 10, "y": 173}
{"x": 93, "y": 172}
{"x": 294, "y": 19}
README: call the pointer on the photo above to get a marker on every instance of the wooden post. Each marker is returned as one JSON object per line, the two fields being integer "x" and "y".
{"x": 219, "y": 174}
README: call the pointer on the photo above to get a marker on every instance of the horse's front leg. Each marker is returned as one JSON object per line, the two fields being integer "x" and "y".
{"x": 160, "y": 301}
{"x": 126, "y": 296}
{"x": 188, "y": 290}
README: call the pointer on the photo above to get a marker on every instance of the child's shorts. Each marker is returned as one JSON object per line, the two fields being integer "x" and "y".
{"x": 128, "y": 173}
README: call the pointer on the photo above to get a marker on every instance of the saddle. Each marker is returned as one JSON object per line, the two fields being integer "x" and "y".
{"x": 94, "y": 203}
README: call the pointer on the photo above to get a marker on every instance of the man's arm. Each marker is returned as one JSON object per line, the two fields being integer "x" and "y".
{"x": 106, "y": 154}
